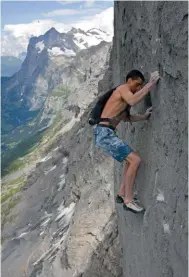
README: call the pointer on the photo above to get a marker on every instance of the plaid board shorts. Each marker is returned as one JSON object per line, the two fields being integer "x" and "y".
{"x": 107, "y": 139}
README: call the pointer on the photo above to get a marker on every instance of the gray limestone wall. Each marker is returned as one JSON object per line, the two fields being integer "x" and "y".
{"x": 153, "y": 36}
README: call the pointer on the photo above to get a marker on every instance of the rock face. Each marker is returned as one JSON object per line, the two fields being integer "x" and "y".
{"x": 67, "y": 225}
{"x": 153, "y": 36}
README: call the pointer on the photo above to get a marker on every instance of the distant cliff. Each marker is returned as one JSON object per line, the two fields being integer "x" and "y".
{"x": 57, "y": 81}
{"x": 53, "y": 60}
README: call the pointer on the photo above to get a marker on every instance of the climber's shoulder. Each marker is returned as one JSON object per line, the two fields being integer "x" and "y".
{"x": 123, "y": 90}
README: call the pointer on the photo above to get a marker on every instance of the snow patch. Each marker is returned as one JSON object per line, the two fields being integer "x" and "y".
{"x": 62, "y": 182}
{"x": 49, "y": 253}
{"x": 52, "y": 168}
{"x": 56, "y": 51}
{"x": 45, "y": 219}
{"x": 91, "y": 37}
{"x": 45, "y": 159}
{"x": 69, "y": 52}
{"x": 101, "y": 35}
{"x": 21, "y": 236}
{"x": 83, "y": 73}
{"x": 79, "y": 41}
{"x": 156, "y": 177}
{"x": 88, "y": 40}
{"x": 45, "y": 222}
{"x": 155, "y": 185}
{"x": 40, "y": 46}
{"x": 69, "y": 125}
{"x": 64, "y": 161}
{"x": 65, "y": 214}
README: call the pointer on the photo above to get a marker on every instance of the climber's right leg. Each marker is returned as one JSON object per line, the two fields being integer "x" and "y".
{"x": 122, "y": 186}
{"x": 130, "y": 174}
{"x": 134, "y": 162}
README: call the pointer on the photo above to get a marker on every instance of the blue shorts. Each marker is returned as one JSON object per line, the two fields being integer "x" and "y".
{"x": 107, "y": 139}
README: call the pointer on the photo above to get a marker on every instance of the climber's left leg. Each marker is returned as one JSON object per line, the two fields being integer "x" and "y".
{"x": 122, "y": 186}
{"x": 130, "y": 174}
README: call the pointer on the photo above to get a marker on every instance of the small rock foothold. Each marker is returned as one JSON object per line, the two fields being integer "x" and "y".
{"x": 160, "y": 197}
{"x": 166, "y": 228}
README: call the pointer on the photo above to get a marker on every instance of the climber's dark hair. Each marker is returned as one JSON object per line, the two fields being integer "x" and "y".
{"x": 135, "y": 74}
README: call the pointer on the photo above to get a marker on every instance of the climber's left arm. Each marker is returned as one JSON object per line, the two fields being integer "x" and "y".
{"x": 134, "y": 118}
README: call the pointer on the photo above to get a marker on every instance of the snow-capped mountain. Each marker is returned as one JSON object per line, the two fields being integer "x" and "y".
{"x": 15, "y": 37}
{"x": 52, "y": 59}
{"x": 70, "y": 43}
{"x": 89, "y": 38}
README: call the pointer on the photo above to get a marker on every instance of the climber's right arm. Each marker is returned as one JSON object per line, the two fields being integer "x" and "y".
{"x": 133, "y": 99}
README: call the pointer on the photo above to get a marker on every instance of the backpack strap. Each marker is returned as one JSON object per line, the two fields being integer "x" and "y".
{"x": 101, "y": 103}
{"x": 93, "y": 121}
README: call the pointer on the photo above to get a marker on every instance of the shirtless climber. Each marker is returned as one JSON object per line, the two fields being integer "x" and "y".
{"x": 118, "y": 108}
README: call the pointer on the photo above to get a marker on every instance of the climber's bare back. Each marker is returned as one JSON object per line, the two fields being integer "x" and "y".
{"x": 115, "y": 104}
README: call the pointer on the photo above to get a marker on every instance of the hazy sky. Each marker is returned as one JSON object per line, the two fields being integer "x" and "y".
{"x": 16, "y": 12}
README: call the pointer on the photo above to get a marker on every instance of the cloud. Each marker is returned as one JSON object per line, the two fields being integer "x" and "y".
{"x": 11, "y": 46}
{"x": 15, "y": 37}
{"x": 66, "y": 2}
{"x": 103, "y": 21}
{"x": 35, "y": 28}
{"x": 89, "y": 3}
{"x": 62, "y": 12}
{"x": 71, "y": 12}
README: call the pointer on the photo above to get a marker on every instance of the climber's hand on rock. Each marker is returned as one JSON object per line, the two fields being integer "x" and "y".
{"x": 148, "y": 113}
{"x": 154, "y": 77}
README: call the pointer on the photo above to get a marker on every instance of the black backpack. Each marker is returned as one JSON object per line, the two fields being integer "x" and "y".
{"x": 94, "y": 117}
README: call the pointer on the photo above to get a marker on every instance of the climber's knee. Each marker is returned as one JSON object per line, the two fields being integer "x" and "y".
{"x": 134, "y": 160}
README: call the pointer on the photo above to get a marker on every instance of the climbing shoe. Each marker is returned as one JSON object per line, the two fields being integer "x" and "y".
{"x": 133, "y": 207}
{"x": 120, "y": 200}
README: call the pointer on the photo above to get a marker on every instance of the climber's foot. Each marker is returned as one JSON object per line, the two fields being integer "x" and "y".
{"x": 133, "y": 207}
{"x": 119, "y": 199}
